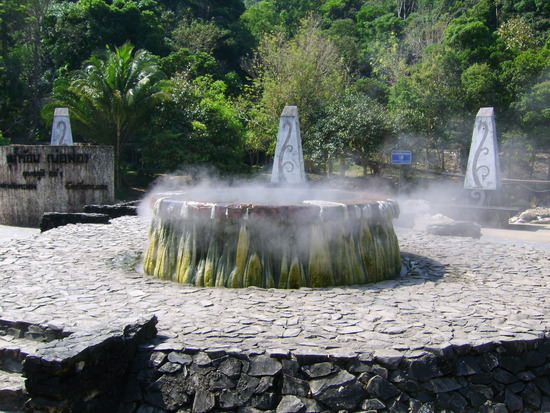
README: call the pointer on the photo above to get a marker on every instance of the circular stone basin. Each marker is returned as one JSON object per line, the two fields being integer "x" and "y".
{"x": 272, "y": 238}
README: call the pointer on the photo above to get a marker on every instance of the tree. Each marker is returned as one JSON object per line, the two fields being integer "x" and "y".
{"x": 198, "y": 126}
{"x": 306, "y": 71}
{"x": 354, "y": 126}
{"x": 426, "y": 102}
{"x": 112, "y": 98}
{"x": 199, "y": 36}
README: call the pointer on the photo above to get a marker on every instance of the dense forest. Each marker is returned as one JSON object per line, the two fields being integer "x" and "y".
{"x": 175, "y": 83}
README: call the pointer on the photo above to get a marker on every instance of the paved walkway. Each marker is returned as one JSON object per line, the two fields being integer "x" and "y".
{"x": 8, "y": 232}
{"x": 457, "y": 290}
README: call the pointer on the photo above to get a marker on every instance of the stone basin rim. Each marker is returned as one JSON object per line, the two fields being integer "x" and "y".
{"x": 300, "y": 203}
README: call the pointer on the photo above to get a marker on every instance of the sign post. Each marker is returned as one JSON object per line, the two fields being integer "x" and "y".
{"x": 401, "y": 157}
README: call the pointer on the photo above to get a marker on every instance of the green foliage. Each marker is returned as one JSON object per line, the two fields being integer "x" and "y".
{"x": 518, "y": 34}
{"x": 262, "y": 18}
{"x": 533, "y": 110}
{"x": 480, "y": 86}
{"x": 354, "y": 126}
{"x": 194, "y": 63}
{"x": 426, "y": 102}
{"x": 81, "y": 28}
{"x": 4, "y": 141}
{"x": 306, "y": 71}
{"x": 199, "y": 35}
{"x": 198, "y": 126}
{"x": 430, "y": 63}
{"x": 112, "y": 97}
{"x": 470, "y": 39}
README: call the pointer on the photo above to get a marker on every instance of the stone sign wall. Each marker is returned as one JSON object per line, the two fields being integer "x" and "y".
{"x": 41, "y": 178}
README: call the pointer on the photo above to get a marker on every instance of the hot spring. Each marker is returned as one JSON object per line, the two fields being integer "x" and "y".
{"x": 272, "y": 237}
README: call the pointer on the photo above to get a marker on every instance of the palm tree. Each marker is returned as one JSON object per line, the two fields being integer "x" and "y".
{"x": 112, "y": 97}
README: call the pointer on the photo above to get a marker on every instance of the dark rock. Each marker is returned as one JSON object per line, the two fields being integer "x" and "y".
{"x": 490, "y": 407}
{"x": 295, "y": 386}
{"x": 204, "y": 402}
{"x": 545, "y": 405}
{"x": 477, "y": 394}
{"x": 170, "y": 368}
{"x": 531, "y": 396}
{"x": 219, "y": 381}
{"x": 358, "y": 366}
{"x": 390, "y": 362}
{"x": 484, "y": 378}
{"x": 512, "y": 364}
{"x": 264, "y": 401}
{"x": 229, "y": 399}
{"x": 466, "y": 366}
{"x": 264, "y": 366}
{"x": 266, "y": 384}
{"x": 317, "y": 370}
{"x": 248, "y": 409}
{"x": 443, "y": 385}
{"x": 397, "y": 376}
{"x": 542, "y": 370}
{"x": 291, "y": 404}
{"x": 373, "y": 404}
{"x": 113, "y": 211}
{"x": 526, "y": 376}
{"x": 516, "y": 387}
{"x": 231, "y": 367}
{"x": 167, "y": 393}
{"x": 202, "y": 360}
{"x": 52, "y": 220}
{"x": 215, "y": 353}
{"x": 157, "y": 358}
{"x": 379, "y": 371}
{"x": 514, "y": 403}
{"x": 180, "y": 358}
{"x": 93, "y": 361}
{"x": 534, "y": 359}
{"x": 425, "y": 368}
{"x": 149, "y": 409}
{"x": 290, "y": 367}
{"x": 312, "y": 405}
{"x": 340, "y": 379}
{"x": 346, "y": 397}
{"x": 416, "y": 406}
{"x": 515, "y": 347}
{"x": 455, "y": 228}
{"x": 452, "y": 401}
{"x": 398, "y": 407}
{"x": 489, "y": 361}
{"x": 504, "y": 377}
{"x": 543, "y": 384}
{"x": 246, "y": 387}
{"x": 381, "y": 388}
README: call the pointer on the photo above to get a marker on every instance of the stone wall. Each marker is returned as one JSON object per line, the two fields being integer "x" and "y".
{"x": 42, "y": 178}
{"x": 109, "y": 370}
{"x": 86, "y": 371}
{"x": 495, "y": 377}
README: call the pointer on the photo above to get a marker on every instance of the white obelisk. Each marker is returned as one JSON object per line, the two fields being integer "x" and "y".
{"x": 288, "y": 164}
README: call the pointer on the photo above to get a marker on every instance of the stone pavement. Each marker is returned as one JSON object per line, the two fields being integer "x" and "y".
{"x": 456, "y": 290}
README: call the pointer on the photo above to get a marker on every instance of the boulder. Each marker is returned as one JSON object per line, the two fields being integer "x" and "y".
{"x": 456, "y": 229}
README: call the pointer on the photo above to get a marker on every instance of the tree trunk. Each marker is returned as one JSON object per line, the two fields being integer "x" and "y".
{"x": 118, "y": 178}
{"x": 343, "y": 166}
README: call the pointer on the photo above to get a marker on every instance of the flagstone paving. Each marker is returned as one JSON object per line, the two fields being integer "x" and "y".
{"x": 453, "y": 290}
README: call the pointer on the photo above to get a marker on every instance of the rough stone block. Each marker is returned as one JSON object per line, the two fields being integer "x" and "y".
{"x": 456, "y": 229}
{"x": 113, "y": 211}
{"x": 52, "y": 220}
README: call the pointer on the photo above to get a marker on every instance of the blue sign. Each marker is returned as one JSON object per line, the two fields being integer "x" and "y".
{"x": 401, "y": 157}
